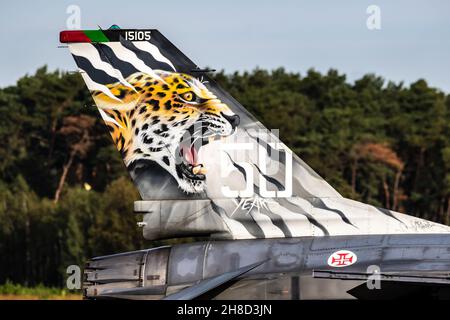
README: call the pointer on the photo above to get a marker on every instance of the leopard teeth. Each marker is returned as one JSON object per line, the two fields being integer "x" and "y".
{"x": 198, "y": 169}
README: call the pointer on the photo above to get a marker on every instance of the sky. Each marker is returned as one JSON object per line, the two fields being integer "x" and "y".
{"x": 413, "y": 42}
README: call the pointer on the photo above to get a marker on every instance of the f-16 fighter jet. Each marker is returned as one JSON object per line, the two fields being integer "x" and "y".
{"x": 205, "y": 167}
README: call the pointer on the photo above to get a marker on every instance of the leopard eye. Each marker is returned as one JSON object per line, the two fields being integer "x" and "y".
{"x": 188, "y": 96}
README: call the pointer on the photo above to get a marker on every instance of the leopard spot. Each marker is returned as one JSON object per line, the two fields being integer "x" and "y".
{"x": 143, "y": 110}
{"x": 155, "y": 104}
{"x": 165, "y": 159}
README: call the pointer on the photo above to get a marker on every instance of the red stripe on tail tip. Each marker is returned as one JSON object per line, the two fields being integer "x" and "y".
{"x": 73, "y": 36}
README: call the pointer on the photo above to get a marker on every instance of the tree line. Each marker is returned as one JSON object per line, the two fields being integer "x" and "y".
{"x": 65, "y": 194}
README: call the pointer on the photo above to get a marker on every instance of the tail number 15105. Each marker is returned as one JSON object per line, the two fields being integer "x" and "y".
{"x": 137, "y": 35}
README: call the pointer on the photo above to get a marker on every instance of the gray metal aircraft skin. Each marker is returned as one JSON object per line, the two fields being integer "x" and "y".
{"x": 204, "y": 166}
{"x": 297, "y": 268}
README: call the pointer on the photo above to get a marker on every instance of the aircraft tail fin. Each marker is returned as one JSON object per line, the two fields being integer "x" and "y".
{"x": 201, "y": 162}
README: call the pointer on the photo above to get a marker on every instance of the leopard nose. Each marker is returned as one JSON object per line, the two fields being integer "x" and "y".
{"x": 234, "y": 120}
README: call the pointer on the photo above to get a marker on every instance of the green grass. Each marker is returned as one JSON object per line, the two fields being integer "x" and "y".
{"x": 40, "y": 290}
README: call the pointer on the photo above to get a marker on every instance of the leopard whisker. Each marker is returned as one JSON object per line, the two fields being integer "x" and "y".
{"x": 198, "y": 131}
{"x": 202, "y": 137}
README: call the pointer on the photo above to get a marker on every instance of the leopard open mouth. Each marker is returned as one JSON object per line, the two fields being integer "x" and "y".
{"x": 188, "y": 164}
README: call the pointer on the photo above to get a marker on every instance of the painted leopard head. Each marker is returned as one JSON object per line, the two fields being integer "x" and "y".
{"x": 165, "y": 117}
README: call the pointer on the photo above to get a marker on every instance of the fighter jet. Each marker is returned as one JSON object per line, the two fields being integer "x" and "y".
{"x": 207, "y": 169}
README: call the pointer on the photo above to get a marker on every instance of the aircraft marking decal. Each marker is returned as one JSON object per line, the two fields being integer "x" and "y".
{"x": 342, "y": 258}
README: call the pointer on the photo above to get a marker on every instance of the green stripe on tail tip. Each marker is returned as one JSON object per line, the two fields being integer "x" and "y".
{"x": 96, "y": 35}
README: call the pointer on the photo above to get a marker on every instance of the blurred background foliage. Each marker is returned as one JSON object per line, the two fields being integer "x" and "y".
{"x": 65, "y": 195}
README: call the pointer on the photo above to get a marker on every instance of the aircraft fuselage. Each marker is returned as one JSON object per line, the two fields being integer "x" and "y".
{"x": 296, "y": 268}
